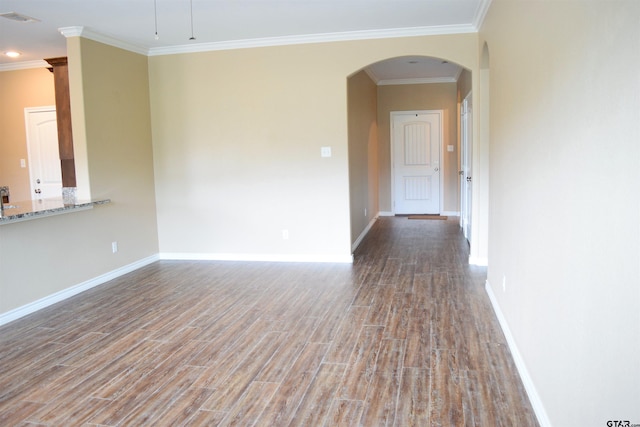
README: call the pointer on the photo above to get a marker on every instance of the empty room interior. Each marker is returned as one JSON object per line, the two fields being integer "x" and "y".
{"x": 320, "y": 213}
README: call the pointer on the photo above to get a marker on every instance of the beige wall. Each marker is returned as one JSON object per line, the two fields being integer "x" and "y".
{"x": 20, "y": 89}
{"x": 237, "y": 137}
{"x": 236, "y": 151}
{"x": 464, "y": 84}
{"x": 564, "y": 200}
{"x": 434, "y": 96}
{"x": 41, "y": 257}
{"x": 363, "y": 152}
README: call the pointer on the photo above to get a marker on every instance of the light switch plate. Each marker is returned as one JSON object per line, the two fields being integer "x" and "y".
{"x": 325, "y": 151}
{"x": 450, "y": 148}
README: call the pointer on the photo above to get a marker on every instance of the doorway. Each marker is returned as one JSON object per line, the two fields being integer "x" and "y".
{"x": 416, "y": 139}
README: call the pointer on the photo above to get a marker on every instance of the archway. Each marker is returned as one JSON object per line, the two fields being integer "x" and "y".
{"x": 405, "y": 83}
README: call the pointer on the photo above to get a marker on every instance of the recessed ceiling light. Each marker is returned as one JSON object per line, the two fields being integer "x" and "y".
{"x": 12, "y": 54}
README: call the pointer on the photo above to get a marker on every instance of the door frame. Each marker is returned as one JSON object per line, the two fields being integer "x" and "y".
{"x": 392, "y": 115}
{"x": 27, "y": 114}
{"x": 466, "y": 165}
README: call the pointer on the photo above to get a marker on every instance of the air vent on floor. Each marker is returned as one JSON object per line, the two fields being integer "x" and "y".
{"x": 18, "y": 17}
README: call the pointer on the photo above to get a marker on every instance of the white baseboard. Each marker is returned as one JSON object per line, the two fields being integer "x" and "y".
{"x": 384, "y": 213}
{"x": 534, "y": 397}
{"x": 32, "y": 307}
{"x": 362, "y": 235}
{"x": 187, "y": 256}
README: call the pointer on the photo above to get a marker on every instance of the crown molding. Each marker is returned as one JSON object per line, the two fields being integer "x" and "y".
{"x": 25, "y": 65}
{"x": 372, "y": 75}
{"x": 270, "y": 41}
{"x": 420, "y": 81}
{"x": 412, "y": 81}
{"x": 313, "y": 38}
{"x": 71, "y": 31}
{"x": 457, "y": 76}
{"x": 88, "y": 33}
{"x": 80, "y": 31}
{"x": 481, "y": 13}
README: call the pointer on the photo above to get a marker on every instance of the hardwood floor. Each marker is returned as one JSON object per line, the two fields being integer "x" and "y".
{"x": 405, "y": 336}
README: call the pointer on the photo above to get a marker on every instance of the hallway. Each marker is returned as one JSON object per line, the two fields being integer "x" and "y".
{"x": 404, "y": 336}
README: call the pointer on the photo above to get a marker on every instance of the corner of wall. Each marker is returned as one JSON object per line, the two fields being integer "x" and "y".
{"x": 76, "y": 93}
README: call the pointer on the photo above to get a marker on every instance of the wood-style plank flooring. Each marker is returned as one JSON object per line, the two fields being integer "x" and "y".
{"x": 403, "y": 337}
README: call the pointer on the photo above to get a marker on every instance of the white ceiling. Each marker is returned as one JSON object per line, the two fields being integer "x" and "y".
{"x": 227, "y": 24}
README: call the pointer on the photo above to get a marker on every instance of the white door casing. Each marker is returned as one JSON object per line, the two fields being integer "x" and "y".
{"x": 44, "y": 156}
{"x": 466, "y": 134}
{"x": 416, "y": 139}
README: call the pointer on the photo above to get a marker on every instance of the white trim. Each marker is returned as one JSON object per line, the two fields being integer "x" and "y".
{"x": 479, "y": 261}
{"x": 440, "y": 114}
{"x": 417, "y": 81}
{"x": 481, "y": 13}
{"x": 527, "y": 381}
{"x": 25, "y": 65}
{"x": 189, "y": 256}
{"x": 88, "y": 33}
{"x": 371, "y": 75}
{"x": 458, "y": 73}
{"x": 71, "y": 31}
{"x": 32, "y": 307}
{"x": 314, "y": 38}
{"x": 386, "y": 213}
{"x": 362, "y": 235}
{"x": 450, "y": 213}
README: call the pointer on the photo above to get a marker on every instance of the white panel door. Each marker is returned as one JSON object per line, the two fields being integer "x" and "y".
{"x": 44, "y": 156}
{"x": 416, "y": 140}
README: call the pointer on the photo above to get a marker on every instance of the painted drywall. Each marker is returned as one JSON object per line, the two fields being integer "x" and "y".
{"x": 237, "y": 138}
{"x": 236, "y": 157}
{"x": 433, "y": 96}
{"x": 41, "y": 257}
{"x": 464, "y": 84}
{"x": 20, "y": 89}
{"x": 564, "y": 201}
{"x": 363, "y": 152}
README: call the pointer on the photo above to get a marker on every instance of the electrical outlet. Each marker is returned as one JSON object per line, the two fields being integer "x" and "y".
{"x": 285, "y": 234}
{"x": 114, "y": 247}
{"x": 365, "y": 212}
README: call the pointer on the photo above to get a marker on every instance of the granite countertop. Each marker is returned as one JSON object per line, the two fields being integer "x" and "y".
{"x": 32, "y": 209}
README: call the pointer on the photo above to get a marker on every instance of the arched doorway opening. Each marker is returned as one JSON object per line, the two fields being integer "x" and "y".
{"x": 416, "y": 84}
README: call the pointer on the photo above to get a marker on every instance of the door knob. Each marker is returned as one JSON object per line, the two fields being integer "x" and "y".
{"x": 436, "y": 169}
